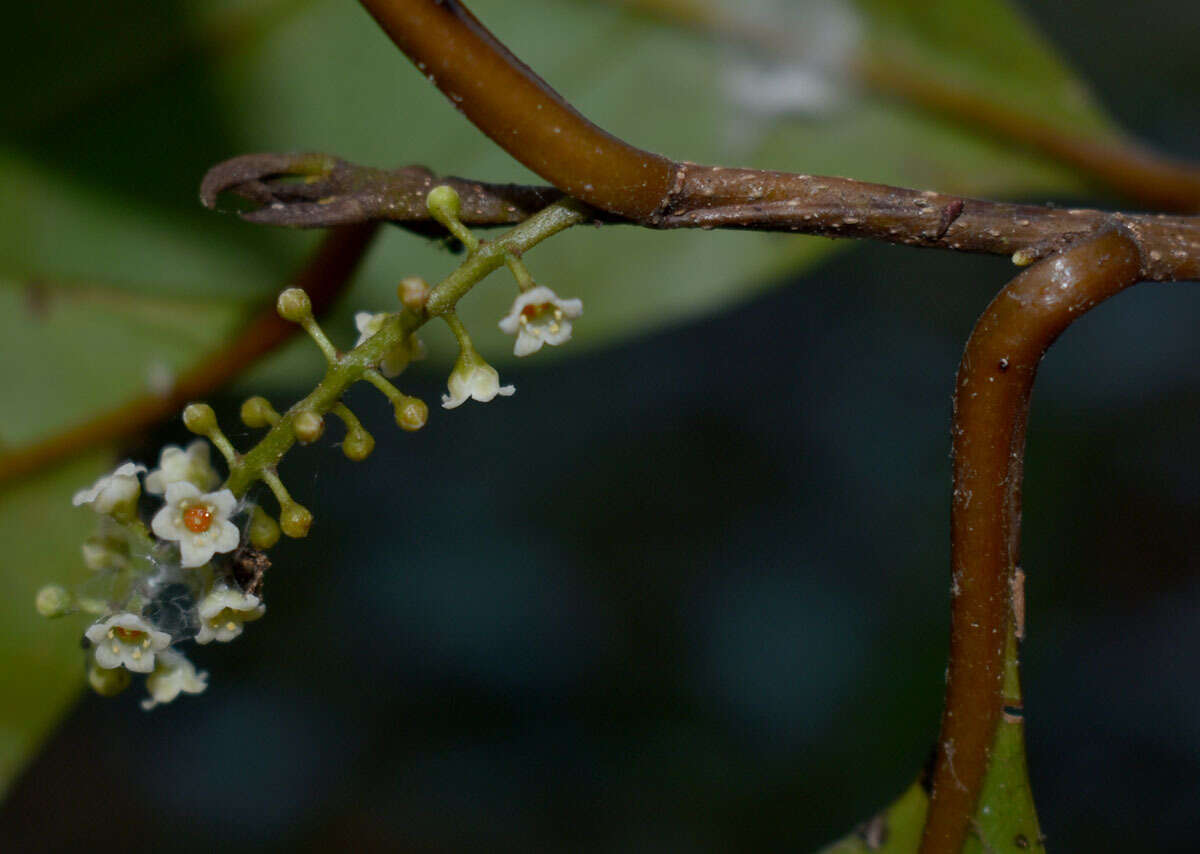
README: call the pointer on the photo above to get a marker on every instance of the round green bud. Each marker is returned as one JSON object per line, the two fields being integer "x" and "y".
{"x": 413, "y": 292}
{"x": 200, "y": 418}
{"x": 411, "y": 413}
{"x": 103, "y": 552}
{"x": 264, "y": 531}
{"x": 295, "y": 520}
{"x": 53, "y": 600}
{"x": 108, "y": 683}
{"x": 443, "y": 201}
{"x": 357, "y": 445}
{"x": 257, "y": 412}
{"x": 294, "y": 305}
{"x": 308, "y": 426}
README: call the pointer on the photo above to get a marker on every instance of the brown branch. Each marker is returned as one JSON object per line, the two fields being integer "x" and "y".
{"x": 324, "y": 277}
{"x": 830, "y": 207}
{"x": 331, "y": 192}
{"x": 991, "y": 408}
{"x": 1141, "y": 175}
{"x": 519, "y": 111}
{"x": 526, "y": 118}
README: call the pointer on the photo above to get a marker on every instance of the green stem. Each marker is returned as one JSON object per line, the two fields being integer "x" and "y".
{"x": 359, "y": 363}
{"x": 491, "y": 254}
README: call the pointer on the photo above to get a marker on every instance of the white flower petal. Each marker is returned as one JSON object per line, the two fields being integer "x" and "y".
{"x": 173, "y": 674}
{"x": 106, "y": 658}
{"x": 180, "y": 490}
{"x": 548, "y": 320}
{"x": 111, "y": 490}
{"x": 136, "y": 653}
{"x": 526, "y": 344}
{"x": 196, "y": 548}
{"x": 223, "y": 501}
{"x": 223, "y": 611}
{"x": 194, "y": 552}
{"x": 228, "y": 538}
{"x": 175, "y": 463}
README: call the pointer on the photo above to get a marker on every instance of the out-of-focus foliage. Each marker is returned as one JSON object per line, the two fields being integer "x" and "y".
{"x": 112, "y": 275}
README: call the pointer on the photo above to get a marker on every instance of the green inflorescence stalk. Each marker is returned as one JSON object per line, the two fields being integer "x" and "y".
{"x": 358, "y": 364}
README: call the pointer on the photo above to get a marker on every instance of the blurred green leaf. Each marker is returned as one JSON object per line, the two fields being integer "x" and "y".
{"x": 41, "y": 663}
{"x": 987, "y": 48}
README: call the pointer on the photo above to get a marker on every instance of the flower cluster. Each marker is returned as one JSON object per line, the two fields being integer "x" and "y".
{"x": 177, "y": 556}
{"x": 157, "y": 586}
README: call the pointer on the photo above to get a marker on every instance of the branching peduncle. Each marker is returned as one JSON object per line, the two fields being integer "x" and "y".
{"x": 303, "y": 422}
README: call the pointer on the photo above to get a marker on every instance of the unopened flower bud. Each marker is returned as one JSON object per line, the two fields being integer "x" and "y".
{"x": 443, "y": 202}
{"x": 308, "y": 426}
{"x": 413, "y": 292}
{"x": 53, "y": 601}
{"x": 295, "y": 520}
{"x": 258, "y": 412}
{"x": 264, "y": 531}
{"x": 294, "y": 305}
{"x": 200, "y": 418}
{"x": 108, "y": 682}
{"x": 411, "y": 413}
{"x": 357, "y": 445}
{"x": 101, "y": 553}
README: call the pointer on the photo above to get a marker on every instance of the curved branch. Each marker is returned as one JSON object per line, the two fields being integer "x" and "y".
{"x": 991, "y": 408}
{"x": 324, "y": 276}
{"x": 519, "y": 111}
{"x": 525, "y": 117}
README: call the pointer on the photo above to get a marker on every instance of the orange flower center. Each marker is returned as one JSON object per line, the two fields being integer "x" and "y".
{"x": 128, "y": 635}
{"x": 197, "y": 518}
{"x": 533, "y": 312}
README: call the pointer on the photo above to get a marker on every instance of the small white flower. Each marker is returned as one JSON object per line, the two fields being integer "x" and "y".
{"x": 396, "y": 359}
{"x": 115, "y": 493}
{"x": 175, "y": 464}
{"x": 173, "y": 675}
{"x": 224, "y": 610}
{"x": 126, "y": 640}
{"x": 539, "y": 317}
{"x": 475, "y": 378}
{"x": 199, "y": 521}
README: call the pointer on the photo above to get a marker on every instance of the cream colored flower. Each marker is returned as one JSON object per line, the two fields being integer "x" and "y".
{"x": 176, "y": 464}
{"x": 396, "y": 359}
{"x": 224, "y": 610}
{"x": 173, "y": 675}
{"x": 115, "y": 493}
{"x": 472, "y": 377}
{"x": 539, "y": 317}
{"x": 199, "y": 521}
{"x": 126, "y": 640}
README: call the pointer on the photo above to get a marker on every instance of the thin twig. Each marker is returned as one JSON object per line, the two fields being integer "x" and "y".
{"x": 533, "y": 123}
{"x": 991, "y": 408}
